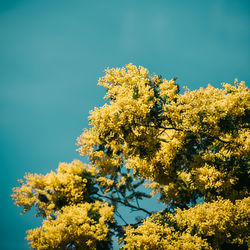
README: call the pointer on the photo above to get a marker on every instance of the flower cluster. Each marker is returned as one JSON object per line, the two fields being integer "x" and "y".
{"x": 191, "y": 148}
{"x": 82, "y": 226}
{"x": 204, "y": 226}
{"x": 64, "y": 199}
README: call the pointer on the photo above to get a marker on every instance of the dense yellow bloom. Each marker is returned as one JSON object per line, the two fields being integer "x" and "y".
{"x": 153, "y": 234}
{"x": 82, "y": 225}
{"x": 188, "y": 143}
{"x": 120, "y": 123}
{"x": 221, "y": 220}
{"x": 70, "y": 185}
{"x": 190, "y": 148}
{"x": 64, "y": 198}
{"x": 205, "y": 226}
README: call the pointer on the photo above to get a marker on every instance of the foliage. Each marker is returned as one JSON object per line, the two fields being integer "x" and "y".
{"x": 191, "y": 148}
{"x": 81, "y": 225}
{"x": 204, "y": 226}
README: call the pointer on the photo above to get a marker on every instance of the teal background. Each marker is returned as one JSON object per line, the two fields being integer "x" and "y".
{"x": 52, "y": 53}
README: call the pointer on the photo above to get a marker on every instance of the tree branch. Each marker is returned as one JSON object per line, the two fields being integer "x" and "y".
{"x": 179, "y": 129}
{"x": 125, "y": 203}
{"x": 120, "y": 216}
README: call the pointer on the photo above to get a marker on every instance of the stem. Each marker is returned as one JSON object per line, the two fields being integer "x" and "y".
{"x": 126, "y": 203}
{"x": 179, "y": 129}
{"x": 120, "y": 216}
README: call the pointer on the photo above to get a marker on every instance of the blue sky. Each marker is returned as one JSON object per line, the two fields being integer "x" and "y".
{"x": 52, "y": 53}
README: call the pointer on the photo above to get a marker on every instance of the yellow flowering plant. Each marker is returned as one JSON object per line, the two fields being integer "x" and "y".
{"x": 192, "y": 149}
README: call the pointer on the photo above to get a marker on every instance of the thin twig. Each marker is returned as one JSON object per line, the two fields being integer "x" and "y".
{"x": 126, "y": 204}
{"x": 120, "y": 216}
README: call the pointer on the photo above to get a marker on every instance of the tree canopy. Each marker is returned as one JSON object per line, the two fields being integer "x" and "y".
{"x": 191, "y": 148}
